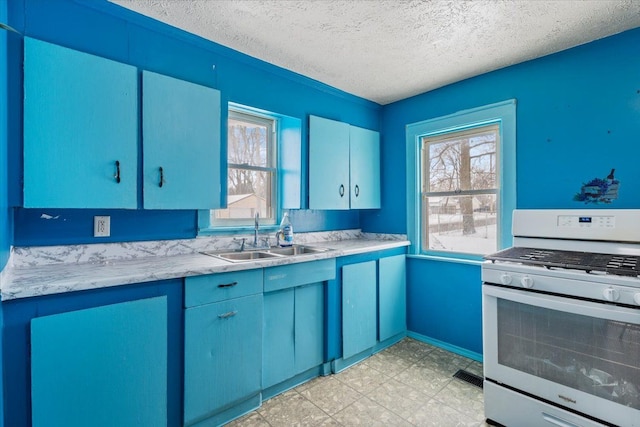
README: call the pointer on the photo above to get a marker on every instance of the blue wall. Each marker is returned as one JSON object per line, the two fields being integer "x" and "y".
{"x": 6, "y": 227}
{"x": 578, "y": 116}
{"x": 5, "y": 212}
{"x": 443, "y": 302}
{"x": 107, "y": 30}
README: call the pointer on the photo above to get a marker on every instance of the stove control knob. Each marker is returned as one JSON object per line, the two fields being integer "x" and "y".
{"x": 636, "y": 298}
{"x": 505, "y": 279}
{"x": 526, "y": 282}
{"x": 611, "y": 294}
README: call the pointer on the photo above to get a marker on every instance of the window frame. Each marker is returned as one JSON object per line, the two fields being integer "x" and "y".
{"x": 240, "y": 113}
{"x": 502, "y": 113}
{"x": 427, "y": 193}
{"x": 289, "y": 152}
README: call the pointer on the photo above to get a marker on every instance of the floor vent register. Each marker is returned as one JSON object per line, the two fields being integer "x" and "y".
{"x": 472, "y": 379}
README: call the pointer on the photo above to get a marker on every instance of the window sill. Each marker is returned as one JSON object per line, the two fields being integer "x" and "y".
{"x": 469, "y": 260}
{"x": 232, "y": 230}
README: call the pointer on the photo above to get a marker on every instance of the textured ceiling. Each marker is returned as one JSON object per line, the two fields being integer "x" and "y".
{"x": 386, "y": 50}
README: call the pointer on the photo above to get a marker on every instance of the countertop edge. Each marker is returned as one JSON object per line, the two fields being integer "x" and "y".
{"x": 25, "y": 282}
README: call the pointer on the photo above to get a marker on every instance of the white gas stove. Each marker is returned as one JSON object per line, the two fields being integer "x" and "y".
{"x": 561, "y": 320}
{"x": 598, "y": 248}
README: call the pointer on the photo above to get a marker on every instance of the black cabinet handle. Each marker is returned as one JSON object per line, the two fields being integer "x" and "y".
{"x": 227, "y": 285}
{"x": 357, "y": 190}
{"x": 117, "y": 175}
{"x": 341, "y": 190}
{"x": 227, "y": 314}
{"x": 161, "y": 177}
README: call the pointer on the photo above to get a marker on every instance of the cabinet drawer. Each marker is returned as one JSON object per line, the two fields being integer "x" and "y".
{"x": 287, "y": 276}
{"x": 217, "y": 287}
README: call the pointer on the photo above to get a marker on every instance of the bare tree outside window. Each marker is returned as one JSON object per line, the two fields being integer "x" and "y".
{"x": 251, "y": 170}
{"x": 459, "y": 187}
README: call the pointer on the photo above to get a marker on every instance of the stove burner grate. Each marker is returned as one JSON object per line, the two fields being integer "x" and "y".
{"x": 624, "y": 264}
{"x": 620, "y": 265}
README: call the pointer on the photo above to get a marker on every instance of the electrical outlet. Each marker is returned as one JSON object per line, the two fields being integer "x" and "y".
{"x": 101, "y": 226}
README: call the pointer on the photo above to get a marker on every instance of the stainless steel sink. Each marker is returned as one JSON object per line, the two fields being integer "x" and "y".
{"x": 270, "y": 253}
{"x": 297, "y": 250}
{"x": 242, "y": 256}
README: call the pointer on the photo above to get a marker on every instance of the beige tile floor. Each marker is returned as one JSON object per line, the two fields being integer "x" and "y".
{"x": 408, "y": 384}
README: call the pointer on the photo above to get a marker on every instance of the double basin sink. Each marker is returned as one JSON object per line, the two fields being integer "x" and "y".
{"x": 267, "y": 253}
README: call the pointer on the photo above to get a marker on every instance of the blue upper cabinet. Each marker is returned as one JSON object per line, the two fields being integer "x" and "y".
{"x": 80, "y": 129}
{"x": 364, "y": 154}
{"x": 81, "y": 124}
{"x": 328, "y": 164}
{"x": 344, "y": 166}
{"x": 181, "y": 140}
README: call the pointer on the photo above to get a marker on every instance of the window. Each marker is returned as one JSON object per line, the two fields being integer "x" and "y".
{"x": 264, "y": 171}
{"x": 459, "y": 189}
{"x": 251, "y": 171}
{"x": 461, "y": 182}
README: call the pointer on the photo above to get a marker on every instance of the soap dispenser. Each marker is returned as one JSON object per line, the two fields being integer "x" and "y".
{"x": 284, "y": 236}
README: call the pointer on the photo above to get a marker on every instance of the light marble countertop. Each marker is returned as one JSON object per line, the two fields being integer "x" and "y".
{"x": 37, "y": 272}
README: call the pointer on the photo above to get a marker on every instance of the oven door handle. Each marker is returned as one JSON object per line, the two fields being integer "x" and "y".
{"x": 552, "y": 419}
{"x": 569, "y": 305}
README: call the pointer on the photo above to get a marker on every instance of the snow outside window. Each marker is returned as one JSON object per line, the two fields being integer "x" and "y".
{"x": 459, "y": 190}
{"x": 461, "y": 182}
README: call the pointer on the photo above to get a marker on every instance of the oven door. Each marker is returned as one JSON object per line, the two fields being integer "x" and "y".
{"x": 581, "y": 355}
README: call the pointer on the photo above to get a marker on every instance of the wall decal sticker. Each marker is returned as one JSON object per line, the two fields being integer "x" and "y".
{"x": 599, "y": 190}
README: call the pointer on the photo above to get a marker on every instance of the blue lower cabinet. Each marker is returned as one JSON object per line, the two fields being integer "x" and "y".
{"x": 366, "y": 306}
{"x": 294, "y": 316}
{"x": 392, "y": 296}
{"x": 293, "y": 336}
{"x": 105, "y": 357}
{"x": 309, "y": 326}
{"x": 278, "y": 356}
{"x": 358, "y": 308}
{"x": 101, "y": 367}
{"x": 223, "y": 359}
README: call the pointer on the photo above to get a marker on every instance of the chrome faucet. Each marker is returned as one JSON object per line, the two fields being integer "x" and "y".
{"x": 255, "y": 230}
{"x": 242, "y": 241}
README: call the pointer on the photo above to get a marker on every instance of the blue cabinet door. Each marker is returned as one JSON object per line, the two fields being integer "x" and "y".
{"x": 309, "y": 326}
{"x": 364, "y": 148}
{"x": 328, "y": 164}
{"x": 358, "y": 307}
{"x": 80, "y": 129}
{"x": 344, "y": 166}
{"x": 278, "y": 357}
{"x": 392, "y": 296}
{"x": 181, "y": 143}
{"x": 294, "y": 319}
{"x": 223, "y": 343}
{"x": 101, "y": 367}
